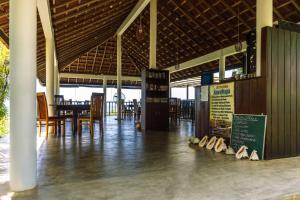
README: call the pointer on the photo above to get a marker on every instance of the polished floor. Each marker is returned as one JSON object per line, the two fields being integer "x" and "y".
{"x": 128, "y": 164}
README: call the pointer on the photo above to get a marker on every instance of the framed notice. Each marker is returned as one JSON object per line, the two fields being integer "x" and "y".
{"x": 204, "y": 93}
{"x": 221, "y": 99}
{"x": 221, "y": 108}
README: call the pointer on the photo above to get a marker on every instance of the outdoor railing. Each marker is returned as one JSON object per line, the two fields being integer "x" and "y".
{"x": 187, "y": 109}
{"x": 111, "y": 107}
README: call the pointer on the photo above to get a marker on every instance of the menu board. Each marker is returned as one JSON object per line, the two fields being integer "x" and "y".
{"x": 249, "y": 130}
{"x": 221, "y": 102}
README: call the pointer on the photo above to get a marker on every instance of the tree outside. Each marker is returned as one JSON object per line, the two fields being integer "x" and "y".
{"x": 4, "y": 72}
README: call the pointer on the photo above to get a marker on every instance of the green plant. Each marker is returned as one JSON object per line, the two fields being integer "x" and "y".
{"x": 4, "y": 72}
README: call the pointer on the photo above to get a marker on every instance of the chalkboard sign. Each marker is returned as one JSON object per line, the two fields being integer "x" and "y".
{"x": 249, "y": 130}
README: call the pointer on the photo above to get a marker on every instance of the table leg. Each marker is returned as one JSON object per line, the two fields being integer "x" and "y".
{"x": 59, "y": 123}
{"x": 75, "y": 117}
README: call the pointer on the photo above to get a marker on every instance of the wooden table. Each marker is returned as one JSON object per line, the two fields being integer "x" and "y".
{"x": 75, "y": 108}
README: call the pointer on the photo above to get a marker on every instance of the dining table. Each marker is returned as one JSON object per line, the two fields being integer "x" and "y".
{"x": 75, "y": 108}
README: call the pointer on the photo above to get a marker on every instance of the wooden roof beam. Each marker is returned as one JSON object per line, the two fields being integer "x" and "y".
{"x": 97, "y": 77}
{"x": 139, "y": 7}
{"x": 228, "y": 51}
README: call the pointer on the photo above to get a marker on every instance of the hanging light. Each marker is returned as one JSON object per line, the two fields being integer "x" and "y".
{"x": 238, "y": 46}
{"x": 140, "y": 32}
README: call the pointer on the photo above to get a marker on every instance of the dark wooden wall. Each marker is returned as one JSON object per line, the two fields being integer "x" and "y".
{"x": 201, "y": 115}
{"x": 281, "y": 57}
{"x": 250, "y": 96}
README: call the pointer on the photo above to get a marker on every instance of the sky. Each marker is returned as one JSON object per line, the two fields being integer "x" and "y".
{"x": 84, "y": 93}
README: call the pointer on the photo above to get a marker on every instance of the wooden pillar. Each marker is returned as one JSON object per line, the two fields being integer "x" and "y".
{"x": 22, "y": 44}
{"x": 264, "y": 17}
{"x": 119, "y": 74}
{"x": 153, "y": 33}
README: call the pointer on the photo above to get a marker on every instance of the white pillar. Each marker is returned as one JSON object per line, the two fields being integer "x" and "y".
{"x": 153, "y": 33}
{"x": 55, "y": 77}
{"x": 22, "y": 44}
{"x": 170, "y": 89}
{"x": 50, "y": 74}
{"x": 187, "y": 92}
{"x": 222, "y": 66}
{"x": 104, "y": 92}
{"x": 119, "y": 73}
{"x": 264, "y": 17}
{"x": 58, "y": 85}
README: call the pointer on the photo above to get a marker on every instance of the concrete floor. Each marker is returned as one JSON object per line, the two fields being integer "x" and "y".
{"x": 128, "y": 164}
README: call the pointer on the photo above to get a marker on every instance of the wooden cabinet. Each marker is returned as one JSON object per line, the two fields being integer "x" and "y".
{"x": 155, "y": 99}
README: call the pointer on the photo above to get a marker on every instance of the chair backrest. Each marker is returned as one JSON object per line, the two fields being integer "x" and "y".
{"x": 59, "y": 99}
{"x": 42, "y": 105}
{"x": 96, "y": 109}
{"x": 135, "y": 105}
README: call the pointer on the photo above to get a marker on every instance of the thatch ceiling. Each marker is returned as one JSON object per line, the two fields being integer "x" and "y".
{"x": 84, "y": 33}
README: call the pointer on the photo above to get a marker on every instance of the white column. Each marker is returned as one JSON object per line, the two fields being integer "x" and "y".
{"x": 187, "y": 92}
{"x": 170, "y": 89}
{"x": 58, "y": 85}
{"x": 119, "y": 73}
{"x": 22, "y": 44}
{"x": 104, "y": 92}
{"x": 222, "y": 66}
{"x": 55, "y": 77}
{"x": 153, "y": 33}
{"x": 264, "y": 17}
{"x": 50, "y": 74}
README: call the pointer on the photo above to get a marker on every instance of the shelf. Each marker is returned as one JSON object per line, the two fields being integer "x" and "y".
{"x": 155, "y": 97}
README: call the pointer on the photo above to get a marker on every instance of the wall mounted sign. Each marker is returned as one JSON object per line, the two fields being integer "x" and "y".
{"x": 221, "y": 108}
{"x": 221, "y": 102}
{"x": 249, "y": 130}
{"x": 204, "y": 93}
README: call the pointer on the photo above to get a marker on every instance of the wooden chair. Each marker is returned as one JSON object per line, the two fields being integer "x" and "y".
{"x": 59, "y": 99}
{"x": 96, "y": 114}
{"x": 44, "y": 118}
{"x": 125, "y": 110}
